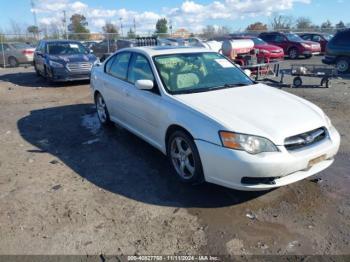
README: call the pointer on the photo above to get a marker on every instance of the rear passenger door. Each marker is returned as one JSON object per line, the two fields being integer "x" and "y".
{"x": 115, "y": 83}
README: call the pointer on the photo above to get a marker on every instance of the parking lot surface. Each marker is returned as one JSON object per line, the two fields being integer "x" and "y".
{"x": 69, "y": 186}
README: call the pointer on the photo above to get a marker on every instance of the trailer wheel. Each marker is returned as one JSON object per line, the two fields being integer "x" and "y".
{"x": 297, "y": 81}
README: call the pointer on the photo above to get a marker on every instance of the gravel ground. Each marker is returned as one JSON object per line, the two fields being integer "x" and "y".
{"x": 68, "y": 186}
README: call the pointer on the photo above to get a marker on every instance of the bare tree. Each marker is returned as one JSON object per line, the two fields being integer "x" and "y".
{"x": 282, "y": 22}
{"x": 303, "y": 23}
{"x": 16, "y": 29}
{"x": 223, "y": 30}
{"x": 209, "y": 31}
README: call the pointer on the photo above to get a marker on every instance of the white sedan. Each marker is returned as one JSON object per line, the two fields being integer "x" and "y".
{"x": 212, "y": 121}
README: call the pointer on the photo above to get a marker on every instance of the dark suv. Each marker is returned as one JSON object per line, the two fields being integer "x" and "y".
{"x": 338, "y": 51}
{"x": 292, "y": 44}
{"x": 63, "y": 60}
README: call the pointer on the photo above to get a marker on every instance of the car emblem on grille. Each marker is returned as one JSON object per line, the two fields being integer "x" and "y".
{"x": 309, "y": 139}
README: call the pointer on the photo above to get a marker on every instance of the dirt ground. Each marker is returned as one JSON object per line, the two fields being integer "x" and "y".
{"x": 68, "y": 186}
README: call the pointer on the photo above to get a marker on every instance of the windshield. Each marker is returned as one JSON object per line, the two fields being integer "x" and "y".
{"x": 294, "y": 38}
{"x": 327, "y": 37}
{"x": 258, "y": 41}
{"x": 72, "y": 48}
{"x": 198, "y": 72}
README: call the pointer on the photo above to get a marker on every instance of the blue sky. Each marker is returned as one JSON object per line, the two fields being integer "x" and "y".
{"x": 236, "y": 14}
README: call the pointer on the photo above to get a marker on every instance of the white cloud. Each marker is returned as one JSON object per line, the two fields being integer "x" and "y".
{"x": 189, "y": 14}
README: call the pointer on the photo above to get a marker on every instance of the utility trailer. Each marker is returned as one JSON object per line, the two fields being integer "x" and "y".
{"x": 300, "y": 71}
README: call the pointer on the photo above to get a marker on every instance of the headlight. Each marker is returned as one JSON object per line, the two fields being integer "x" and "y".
{"x": 306, "y": 45}
{"x": 328, "y": 121}
{"x": 264, "y": 51}
{"x": 248, "y": 143}
{"x": 55, "y": 64}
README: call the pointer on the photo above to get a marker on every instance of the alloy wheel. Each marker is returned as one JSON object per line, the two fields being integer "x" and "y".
{"x": 182, "y": 158}
{"x": 342, "y": 65}
{"x": 101, "y": 109}
{"x": 293, "y": 53}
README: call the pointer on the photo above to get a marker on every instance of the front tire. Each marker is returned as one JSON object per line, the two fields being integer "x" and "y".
{"x": 48, "y": 76}
{"x": 343, "y": 64}
{"x": 184, "y": 158}
{"x": 102, "y": 111}
{"x": 293, "y": 53}
{"x": 36, "y": 70}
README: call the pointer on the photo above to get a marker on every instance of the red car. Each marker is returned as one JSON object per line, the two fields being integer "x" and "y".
{"x": 292, "y": 44}
{"x": 267, "y": 53}
{"x": 321, "y": 38}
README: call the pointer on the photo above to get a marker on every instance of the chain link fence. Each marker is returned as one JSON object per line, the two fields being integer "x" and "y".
{"x": 109, "y": 40}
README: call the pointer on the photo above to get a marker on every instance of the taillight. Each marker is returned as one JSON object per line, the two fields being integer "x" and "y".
{"x": 27, "y": 52}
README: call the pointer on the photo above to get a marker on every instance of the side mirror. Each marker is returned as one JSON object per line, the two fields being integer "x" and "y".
{"x": 144, "y": 84}
{"x": 247, "y": 72}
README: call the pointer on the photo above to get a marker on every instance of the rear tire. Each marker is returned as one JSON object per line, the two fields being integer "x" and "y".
{"x": 13, "y": 62}
{"x": 183, "y": 156}
{"x": 102, "y": 111}
{"x": 343, "y": 64}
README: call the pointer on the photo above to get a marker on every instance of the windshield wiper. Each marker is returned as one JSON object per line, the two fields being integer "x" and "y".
{"x": 228, "y": 86}
{"x": 205, "y": 89}
{"x": 235, "y": 85}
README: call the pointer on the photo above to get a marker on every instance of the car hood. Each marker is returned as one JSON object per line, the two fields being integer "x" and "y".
{"x": 73, "y": 58}
{"x": 269, "y": 47}
{"x": 257, "y": 110}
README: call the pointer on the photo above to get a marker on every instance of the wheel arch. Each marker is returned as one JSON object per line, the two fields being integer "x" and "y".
{"x": 171, "y": 129}
{"x": 292, "y": 47}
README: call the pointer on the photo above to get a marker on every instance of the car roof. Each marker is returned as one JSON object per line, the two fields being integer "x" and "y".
{"x": 60, "y": 41}
{"x": 166, "y": 50}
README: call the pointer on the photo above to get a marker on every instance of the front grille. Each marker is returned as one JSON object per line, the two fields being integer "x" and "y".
{"x": 305, "y": 139}
{"x": 276, "y": 51}
{"x": 79, "y": 67}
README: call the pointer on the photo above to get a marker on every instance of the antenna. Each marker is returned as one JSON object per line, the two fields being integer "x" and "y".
{"x": 34, "y": 12}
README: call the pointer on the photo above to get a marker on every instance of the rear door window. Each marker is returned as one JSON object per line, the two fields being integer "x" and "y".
{"x": 119, "y": 67}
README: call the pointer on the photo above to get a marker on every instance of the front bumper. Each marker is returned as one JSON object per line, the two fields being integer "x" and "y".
{"x": 228, "y": 167}
{"x": 311, "y": 52}
{"x": 329, "y": 60}
{"x": 64, "y": 75}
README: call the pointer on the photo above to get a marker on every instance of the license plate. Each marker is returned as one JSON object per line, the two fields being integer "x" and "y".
{"x": 316, "y": 160}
